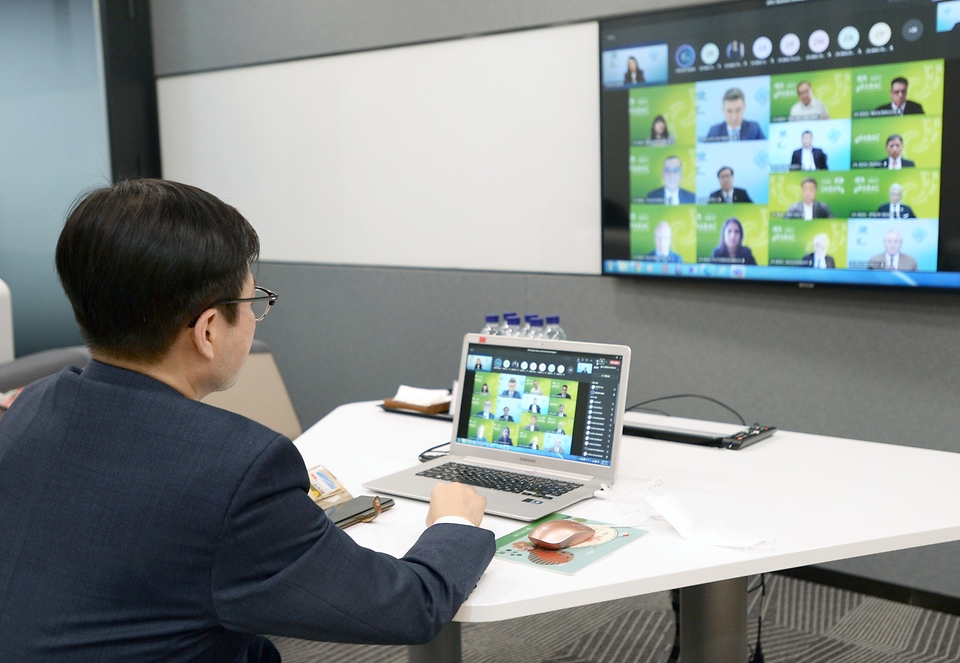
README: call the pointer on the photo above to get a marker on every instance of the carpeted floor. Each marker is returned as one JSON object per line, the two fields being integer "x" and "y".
{"x": 803, "y": 622}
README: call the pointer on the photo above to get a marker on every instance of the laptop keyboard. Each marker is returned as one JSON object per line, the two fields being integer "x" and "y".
{"x": 510, "y": 482}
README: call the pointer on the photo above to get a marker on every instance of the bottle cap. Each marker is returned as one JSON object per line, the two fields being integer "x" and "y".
{"x": 493, "y": 318}
{"x": 536, "y": 322}
{"x": 553, "y": 319}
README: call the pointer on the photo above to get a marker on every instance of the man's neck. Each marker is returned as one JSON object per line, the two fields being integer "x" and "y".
{"x": 162, "y": 371}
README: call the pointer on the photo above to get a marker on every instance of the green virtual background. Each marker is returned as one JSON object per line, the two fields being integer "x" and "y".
{"x": 644, "y": 220}
{"x": 555, "y": 388}
{"x": 491, "y": 429}
{"x": 921, "y": 135}
{"x": 754, "y": 219}
{"x": 544, "y": 384}
{"x": 492, "y": 380}
{"x": 676, "y": 103}
{"x": 871, "y": 188}
{"x": 871, "y": 85}
{"x": 646, "y": 166}
{"x": 791, "y": 239}
{"x": 832, "y": 87}
{"x": 832, "y": 189}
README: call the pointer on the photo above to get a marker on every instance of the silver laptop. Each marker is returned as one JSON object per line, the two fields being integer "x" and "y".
{"x": 548, "y": 411}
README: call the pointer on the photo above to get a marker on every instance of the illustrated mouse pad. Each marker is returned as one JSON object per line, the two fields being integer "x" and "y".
{"x": 516, "y": 546}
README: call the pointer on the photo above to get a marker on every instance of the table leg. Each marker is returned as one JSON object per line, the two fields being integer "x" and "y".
{"x": 445, "y": 647}
{"x": 713, "y": 622}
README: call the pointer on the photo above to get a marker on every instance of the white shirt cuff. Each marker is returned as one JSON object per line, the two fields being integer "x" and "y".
{"x": 453, "y": 520}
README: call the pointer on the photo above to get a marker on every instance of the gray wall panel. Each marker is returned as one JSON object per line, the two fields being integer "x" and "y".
{"x": 877, "y": 365}
{"x": 194, "y": 36}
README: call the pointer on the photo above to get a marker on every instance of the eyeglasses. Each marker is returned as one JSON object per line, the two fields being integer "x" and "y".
{"x": 260, "y": 303}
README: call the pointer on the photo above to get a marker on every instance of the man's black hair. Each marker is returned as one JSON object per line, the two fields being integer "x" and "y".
{"x": 141, "y": 259}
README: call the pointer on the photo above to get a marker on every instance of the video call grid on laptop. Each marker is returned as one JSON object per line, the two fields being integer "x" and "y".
{"x": 537, "y": 407}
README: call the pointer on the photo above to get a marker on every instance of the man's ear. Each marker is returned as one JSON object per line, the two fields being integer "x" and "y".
{"x": 204, "y": 333}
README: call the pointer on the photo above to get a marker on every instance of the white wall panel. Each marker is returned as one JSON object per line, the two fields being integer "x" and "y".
{"x": 479, "y": 153}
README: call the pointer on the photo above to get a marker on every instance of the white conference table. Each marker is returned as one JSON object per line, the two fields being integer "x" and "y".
{"x": 820, "y": 498}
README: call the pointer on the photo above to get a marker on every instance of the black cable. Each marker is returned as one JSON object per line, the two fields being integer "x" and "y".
{"x": 706, "y": 398}
{"x": 656, "y": 411}
{"x": 427, "y": 455}
{"x": 756, "y": 656}
{"x": 675, "y": 603}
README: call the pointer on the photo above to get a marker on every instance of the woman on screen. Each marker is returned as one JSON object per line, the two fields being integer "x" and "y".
{"x": 731, "y": 248}
{"x": 634, "y": 72}
{"x": 659, "y": 131}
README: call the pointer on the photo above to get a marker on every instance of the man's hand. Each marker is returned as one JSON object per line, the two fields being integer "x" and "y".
{"x": 455, "y": 499}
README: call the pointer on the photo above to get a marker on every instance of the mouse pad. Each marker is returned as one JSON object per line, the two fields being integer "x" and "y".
{"x": 516, "y": 546}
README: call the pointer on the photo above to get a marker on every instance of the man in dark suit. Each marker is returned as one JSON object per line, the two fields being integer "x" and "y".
{"x": 899, "y": 104}
{"x": 187, "y": 529}
{"x": 809, "y": 207}
{"x": 727, "y": 193}
{"x": 819, "y": 259}
{"x": 894, "y": 150}
{"x": 735, "y": 127}
{"x": 808, "y": 157}
{"x": 671, "y": 193}
{"x": 485, "y": 413}
{"x": 895, "y": 209}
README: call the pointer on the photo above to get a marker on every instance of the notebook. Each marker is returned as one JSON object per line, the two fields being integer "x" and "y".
{"x": 537, "y": 425}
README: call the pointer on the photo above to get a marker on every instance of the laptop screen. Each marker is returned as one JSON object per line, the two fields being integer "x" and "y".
{"x": 536, "y": 401}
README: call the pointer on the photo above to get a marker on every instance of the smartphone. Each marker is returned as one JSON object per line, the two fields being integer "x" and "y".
{"x": 358, "y": 510}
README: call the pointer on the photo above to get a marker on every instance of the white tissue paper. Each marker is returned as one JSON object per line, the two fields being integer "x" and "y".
{"x": 712, "y": 532}
{"x": 421, "y": 397}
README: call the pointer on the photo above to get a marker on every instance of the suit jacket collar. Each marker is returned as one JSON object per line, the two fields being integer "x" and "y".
{"x": 122, "y": 377}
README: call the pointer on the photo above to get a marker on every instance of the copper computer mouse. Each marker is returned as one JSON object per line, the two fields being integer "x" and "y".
{"x": 560, "y": 534}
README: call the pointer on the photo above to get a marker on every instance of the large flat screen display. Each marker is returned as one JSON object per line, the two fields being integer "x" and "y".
{"x": 806, "y": 142}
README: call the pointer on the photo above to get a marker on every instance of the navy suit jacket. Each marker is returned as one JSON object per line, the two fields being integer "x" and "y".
{"x": 748, "y": 131}
{"x": 139, "y": 525}
{"x": 659, "y": 195}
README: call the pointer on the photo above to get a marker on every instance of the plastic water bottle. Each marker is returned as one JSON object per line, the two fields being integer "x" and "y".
{"x": 536, "y": 328}
{"x": 526, "y": 325}
{"x": 505, "y": 324}
{"x": 492, "y": 327}
{"x": 513, "y": 326}
{"x": 554, "y": 331}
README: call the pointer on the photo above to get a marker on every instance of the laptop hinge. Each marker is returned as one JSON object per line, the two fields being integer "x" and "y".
{"x": 514, "y": 467}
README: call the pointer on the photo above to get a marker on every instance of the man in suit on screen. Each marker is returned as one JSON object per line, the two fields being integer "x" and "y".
{"x": 671, "y": 193}
{"x": 727, "y": 193}
{"x": 891, "y": 258}
{"x": 809, "y": 207}
{"x": 808, "y": 157}
{"x": 895, "y": 209}
{"x": 894, "y": 161}
{"x": 188, "y": 529}
{"x": 899, "y": 104}
{"x": 735, "y": 127}
{"x": 819, "y": 259}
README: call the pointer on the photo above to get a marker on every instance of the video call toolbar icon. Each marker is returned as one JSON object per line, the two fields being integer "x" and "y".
{"x": 685, "y": 56}
{"x": 880, "y": 34}
{"x": 819, "y": 41}
{"x": 912, "y": 30}
{"x": 790, "y": 44}
{"x": 848, "y": 38}
{"x": 710, "y": 53}
{"x": 762, "y": 48}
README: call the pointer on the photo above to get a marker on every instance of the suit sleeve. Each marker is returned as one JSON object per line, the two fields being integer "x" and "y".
{"x": 283, "y": 568}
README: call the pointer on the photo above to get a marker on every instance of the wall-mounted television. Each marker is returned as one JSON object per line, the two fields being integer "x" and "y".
{"x": 806, "y": 142}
